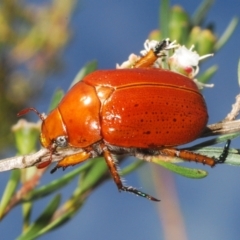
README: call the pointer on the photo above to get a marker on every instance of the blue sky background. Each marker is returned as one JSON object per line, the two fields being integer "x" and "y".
{"x": 109, "y": 30}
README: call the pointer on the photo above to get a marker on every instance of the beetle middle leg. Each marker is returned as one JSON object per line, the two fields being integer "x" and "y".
{"x": 117, "y": 179}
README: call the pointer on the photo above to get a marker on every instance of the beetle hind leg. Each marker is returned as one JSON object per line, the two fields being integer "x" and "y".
{"x": 192, "y": 156}
{"x": 117, "y": 179}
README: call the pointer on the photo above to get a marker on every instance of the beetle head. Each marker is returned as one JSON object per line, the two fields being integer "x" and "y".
{"x": 53, "y": 130}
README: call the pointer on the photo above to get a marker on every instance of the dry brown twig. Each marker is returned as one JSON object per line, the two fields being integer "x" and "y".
{"x": 19, "y": 162}
{"x": 43, "y": 155}
{"x": 228, "y": 125}
{"x": 25, "y": 188}
{"x": 235, "y": 110}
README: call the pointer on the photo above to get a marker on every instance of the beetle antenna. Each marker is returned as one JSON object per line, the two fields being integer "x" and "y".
{"x": 27, "y": 110}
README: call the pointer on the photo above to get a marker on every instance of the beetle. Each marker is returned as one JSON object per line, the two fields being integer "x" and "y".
{"x": 139, "y": 110}
{"x": 126, "y": 111}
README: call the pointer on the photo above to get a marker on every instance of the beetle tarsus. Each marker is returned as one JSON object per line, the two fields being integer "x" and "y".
{"x": 223, "y": 156}
{"x": 160, "y": 46}
{"x": 139, "y": 193}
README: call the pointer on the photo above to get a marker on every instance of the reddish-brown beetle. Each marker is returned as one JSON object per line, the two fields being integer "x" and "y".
{"x": 141, "y": 110}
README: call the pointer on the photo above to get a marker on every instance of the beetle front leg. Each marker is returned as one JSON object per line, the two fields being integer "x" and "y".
{"x": 72, "y": 160}
{"x": 117, "y": 179}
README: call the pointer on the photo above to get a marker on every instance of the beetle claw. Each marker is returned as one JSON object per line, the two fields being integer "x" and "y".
{"x": 223, "y": 156}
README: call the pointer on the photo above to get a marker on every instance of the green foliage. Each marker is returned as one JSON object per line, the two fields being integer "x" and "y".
{"x": 28, "y": 53}
{"x": 184, "y": 171}
{"x": 9, "y": 191}
{"x": 36, "y": 228}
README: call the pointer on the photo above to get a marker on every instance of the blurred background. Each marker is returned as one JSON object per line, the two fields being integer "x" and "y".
{"x": 108, "y": 31}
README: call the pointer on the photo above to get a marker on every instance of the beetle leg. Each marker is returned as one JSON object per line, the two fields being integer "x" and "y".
{"x": 47, "y": 163}
{"x": 147, "y": 60}
{"x": 152, "y": 55}
{"x": 192, "y": 156}
{"x": 188, "y": 156}
{"x": 72, "y": 160}
{"x": 117, "y": 179}
{"x": 44, "y": 164}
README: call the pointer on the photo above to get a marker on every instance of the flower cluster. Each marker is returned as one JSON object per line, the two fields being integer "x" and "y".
{"x": 169, "y": 55}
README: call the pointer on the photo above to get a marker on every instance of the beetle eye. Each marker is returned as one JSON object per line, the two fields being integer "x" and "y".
{"x": 61, "y": 141}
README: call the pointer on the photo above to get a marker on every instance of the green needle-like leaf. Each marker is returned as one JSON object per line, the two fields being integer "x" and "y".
{"x": 184, "y": 171}
{"x": 26, "y": 212}
{"x": 56, "y": 223}
{"x": 201, "y": 12}
{"x": 9, "y": 191}
{"x": 227, "y": 34}
{"x": 220, "y": 139}
{"x": 57, "y": 97}
{"x": 56, "y": 184}
{"x": 164, "y": 18}
{"x": 132, "y": 167}
{"x": 42, "y": 221}
{"x": 93, "y": 175}
{"x": 208, "y": 74}
{"x": 88, "y": 68}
